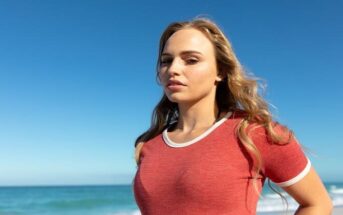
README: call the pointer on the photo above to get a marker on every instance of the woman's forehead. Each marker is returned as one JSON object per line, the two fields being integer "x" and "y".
{"x": 187, "y": 41}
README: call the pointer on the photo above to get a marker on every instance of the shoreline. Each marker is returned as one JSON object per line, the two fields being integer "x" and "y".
{"x": 335, "y": 211}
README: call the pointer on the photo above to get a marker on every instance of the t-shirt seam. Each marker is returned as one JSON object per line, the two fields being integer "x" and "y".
{"x": 197, "y": 139}
{"x": 298, "y": 177}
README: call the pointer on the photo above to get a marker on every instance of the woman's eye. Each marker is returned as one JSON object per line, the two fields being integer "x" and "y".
{"x": 165, "y": 61}
{"x": 192, "y": 61}
{"x": 188, "y": 61}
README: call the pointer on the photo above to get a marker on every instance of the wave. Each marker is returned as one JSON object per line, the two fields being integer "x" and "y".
{"x": 272, "y": 202}
{"x": 336, "y": 190}
{"x": 79, "y": 203}
{"x": 114, "y": 200}
{"x": 135, "y": 212}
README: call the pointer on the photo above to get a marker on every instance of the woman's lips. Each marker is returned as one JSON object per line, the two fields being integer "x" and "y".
{"x": 174, "y": 81}
{"x": 175, "y": 87}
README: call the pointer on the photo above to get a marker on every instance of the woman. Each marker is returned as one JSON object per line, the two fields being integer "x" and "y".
{"x": 212, "y": 141}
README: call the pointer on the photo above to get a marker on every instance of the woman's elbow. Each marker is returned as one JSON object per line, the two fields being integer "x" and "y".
{"x": 314, "y": 210}
{"x": 328, "y": 207}
{"x": 323, "y": 208}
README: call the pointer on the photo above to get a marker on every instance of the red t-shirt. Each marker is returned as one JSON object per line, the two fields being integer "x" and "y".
{"x": 212, "y": 174}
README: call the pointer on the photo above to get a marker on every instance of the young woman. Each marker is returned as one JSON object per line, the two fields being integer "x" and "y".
{"x": 212, "y": 141}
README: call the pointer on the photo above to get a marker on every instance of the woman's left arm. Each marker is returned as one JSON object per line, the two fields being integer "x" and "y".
{"x": 311, "y": 195}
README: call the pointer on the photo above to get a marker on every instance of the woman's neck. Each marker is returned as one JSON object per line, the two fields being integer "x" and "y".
{"x": 192, "y": 119}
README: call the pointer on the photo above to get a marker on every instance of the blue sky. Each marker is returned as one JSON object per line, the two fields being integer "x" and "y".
{"x": 77, "y": 80}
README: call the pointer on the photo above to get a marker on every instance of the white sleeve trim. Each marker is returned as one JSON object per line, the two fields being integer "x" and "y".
{"x": 298, "y": 177}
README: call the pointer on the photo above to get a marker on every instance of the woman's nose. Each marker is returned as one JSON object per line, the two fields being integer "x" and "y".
{"x": 175, "y": 67}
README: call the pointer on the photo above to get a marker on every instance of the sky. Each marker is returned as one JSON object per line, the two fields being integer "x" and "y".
{"x": 77, "y": 80}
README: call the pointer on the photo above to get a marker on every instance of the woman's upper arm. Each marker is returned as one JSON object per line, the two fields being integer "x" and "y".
{"x": 310, "y": 191}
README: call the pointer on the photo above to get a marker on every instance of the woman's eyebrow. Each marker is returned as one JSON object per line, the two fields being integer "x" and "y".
{"x": 183, "y": 52}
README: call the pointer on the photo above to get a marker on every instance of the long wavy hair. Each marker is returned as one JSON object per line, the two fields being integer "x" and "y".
{"x": 237, "y": 91}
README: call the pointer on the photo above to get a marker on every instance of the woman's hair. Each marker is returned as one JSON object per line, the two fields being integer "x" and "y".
{"x": 236, "y": 92}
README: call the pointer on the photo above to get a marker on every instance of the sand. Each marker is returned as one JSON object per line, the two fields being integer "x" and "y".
{"x": 336, "y": 211}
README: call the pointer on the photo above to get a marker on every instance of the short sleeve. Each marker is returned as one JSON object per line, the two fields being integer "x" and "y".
{"x": 283, "y": 164}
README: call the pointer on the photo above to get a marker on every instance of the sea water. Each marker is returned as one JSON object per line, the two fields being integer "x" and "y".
{"x": 114, "y": 200}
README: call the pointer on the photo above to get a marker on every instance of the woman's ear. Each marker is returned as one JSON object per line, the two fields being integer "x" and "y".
{"x": 219, "y": 78}
{"x": 220, "y": 75}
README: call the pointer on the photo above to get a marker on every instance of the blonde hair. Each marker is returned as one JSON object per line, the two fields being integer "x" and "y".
{"x": 237, "y": 91}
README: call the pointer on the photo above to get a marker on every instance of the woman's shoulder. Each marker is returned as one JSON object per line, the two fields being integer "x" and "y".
{"x": 238, "y": 114}
{"x": 259, "y": 130}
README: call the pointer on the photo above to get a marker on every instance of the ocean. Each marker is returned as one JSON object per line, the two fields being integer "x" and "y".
{"x": 112, "y": 200}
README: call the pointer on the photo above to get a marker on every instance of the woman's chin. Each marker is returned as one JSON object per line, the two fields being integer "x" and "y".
{"x": 175, "y": 98}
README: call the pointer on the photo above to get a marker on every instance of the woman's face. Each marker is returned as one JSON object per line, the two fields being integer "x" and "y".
{"x": 188, "y": 57}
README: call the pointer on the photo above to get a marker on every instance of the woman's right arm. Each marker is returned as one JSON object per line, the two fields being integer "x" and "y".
{"x": 311, "y": 195}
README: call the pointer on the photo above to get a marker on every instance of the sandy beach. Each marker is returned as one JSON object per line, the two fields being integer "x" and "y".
{"x": 336, "y": 211}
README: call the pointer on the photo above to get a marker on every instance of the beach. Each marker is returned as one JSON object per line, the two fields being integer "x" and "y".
{"x": 336, "y": 211}
{"x": 119, "y": 200}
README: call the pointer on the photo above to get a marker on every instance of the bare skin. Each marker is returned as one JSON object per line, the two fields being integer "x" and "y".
{"x": 198, "y": 72}
{"x": 311, "y": 195}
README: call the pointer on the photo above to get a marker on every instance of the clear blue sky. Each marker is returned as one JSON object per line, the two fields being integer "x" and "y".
{"x": 77, "y": 80}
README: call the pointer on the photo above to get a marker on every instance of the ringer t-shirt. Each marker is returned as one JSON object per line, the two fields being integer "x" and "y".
{"x": 212, "y": 173}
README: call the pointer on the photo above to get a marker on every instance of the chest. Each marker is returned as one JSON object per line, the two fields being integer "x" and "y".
{"x": 214, "y": 170}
